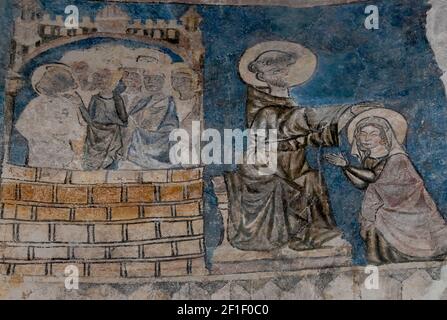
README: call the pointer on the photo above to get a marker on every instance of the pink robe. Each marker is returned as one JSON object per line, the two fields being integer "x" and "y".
{"x": 402, "y": 211}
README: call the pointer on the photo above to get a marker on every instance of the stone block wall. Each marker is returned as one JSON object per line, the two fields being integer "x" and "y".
{"x": 109, "y": 223}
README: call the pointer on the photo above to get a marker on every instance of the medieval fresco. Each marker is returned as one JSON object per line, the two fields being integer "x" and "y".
{"x": 222, "y": 150}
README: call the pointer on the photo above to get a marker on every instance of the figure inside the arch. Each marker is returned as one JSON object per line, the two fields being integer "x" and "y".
{"x": 107, "y": 113}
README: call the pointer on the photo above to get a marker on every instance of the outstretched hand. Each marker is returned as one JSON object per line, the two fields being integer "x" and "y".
{"x": 336, "y": 159}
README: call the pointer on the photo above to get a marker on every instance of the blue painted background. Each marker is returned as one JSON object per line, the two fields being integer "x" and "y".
{"x": 394, "y": 65}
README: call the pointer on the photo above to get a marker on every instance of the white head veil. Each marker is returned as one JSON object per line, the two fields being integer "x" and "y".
{"x": 392, "y": 145}
{"x": 393, "y": 127}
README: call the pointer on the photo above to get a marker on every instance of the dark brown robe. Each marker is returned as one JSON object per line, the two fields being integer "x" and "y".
{"x": 269, "y": 211}
{"x": 105, "y": 118}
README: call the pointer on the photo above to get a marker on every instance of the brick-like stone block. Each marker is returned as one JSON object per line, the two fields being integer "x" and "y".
{"x": 108, "y": 233}
{"x": 71, "y": 233}
{"x": 140, "y": 269}
{"x": 51, "y": 253}
{"x": 188, "y": 209}
{"x": 37, "y": 269}
{"x": 90, "y": 214}
{"x": 106, "y": 194}
{"x": 155, "y": 250}
{"x": 34, "y": 232}
{"x": 173, "y": 268}
{"x": 195, "y": 190}
{"x": 198, "y": 267}
{"x": 6, "y": 232}
{"x": 173, "y": 229}
{"x": 89, "y": 253}
{"x": 58, "y": 269}
{"x": 24, "y": 212}
{"x": 19, "y": 173}
{"x": 171, "y": 192}
{"x": 197, "y": 227}
{"x": 125, "y": 213}
{"x": 9, "y": 211}
{"x": 189, "y": 247}
{"x": 14, "y": 253}
{"x": 120, "y": 176}
{"x": 8, "y": 191}
{"x": 185, "y": 175}
{"x": 4, "y": 267}
{"x": 141, "y": 231}
{"x": 52, "y": 175}
{"x": 140, "y": 193}
{"x": 88, "y": 177}
{"x": 157, "y": 211}
{"x": 36, "y": 192}
{"x": 155, "y": 176}
{"x": 52, "y": 213}
{"x": 105, "y": 270}
{"x": 75, "y": 195}
{"x": 123, "y": 252}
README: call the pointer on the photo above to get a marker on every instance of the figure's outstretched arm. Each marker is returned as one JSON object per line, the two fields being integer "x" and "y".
{"x": 366, "y": 175}
{"x": 141, "y": 104}
{"x": 358, "y": 176}
{"x": 325, "y": 137}
{"x": 356, "y": 181}
{"x": 120, "y": 108}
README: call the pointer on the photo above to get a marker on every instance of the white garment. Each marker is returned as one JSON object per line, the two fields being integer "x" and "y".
{"x": 50, "y": 124}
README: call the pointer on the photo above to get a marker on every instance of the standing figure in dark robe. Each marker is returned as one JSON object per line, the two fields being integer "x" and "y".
{"x": 153, "y": 118}
{"x": 106, "y": 117}
{"x": 291, "y": 206}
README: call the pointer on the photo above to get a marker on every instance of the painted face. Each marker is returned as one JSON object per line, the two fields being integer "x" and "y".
{"x": 80, "y": 68}
{"x": 154, "y": 82}
{"x": 275, "y": 77}
{"x": 370, "y": 137}
{"x": 132, "y": 80}
{"x": 272, "y": 67}
{"x": 56, "y": 81}
{"x": 101, "y": 79}
{"x": 182, "y": 82}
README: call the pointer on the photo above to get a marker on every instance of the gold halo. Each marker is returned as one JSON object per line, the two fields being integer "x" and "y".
{"x": 40, "y": 71}
{"x": 397, "y": 122}
{"x": 299, "y": 73}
